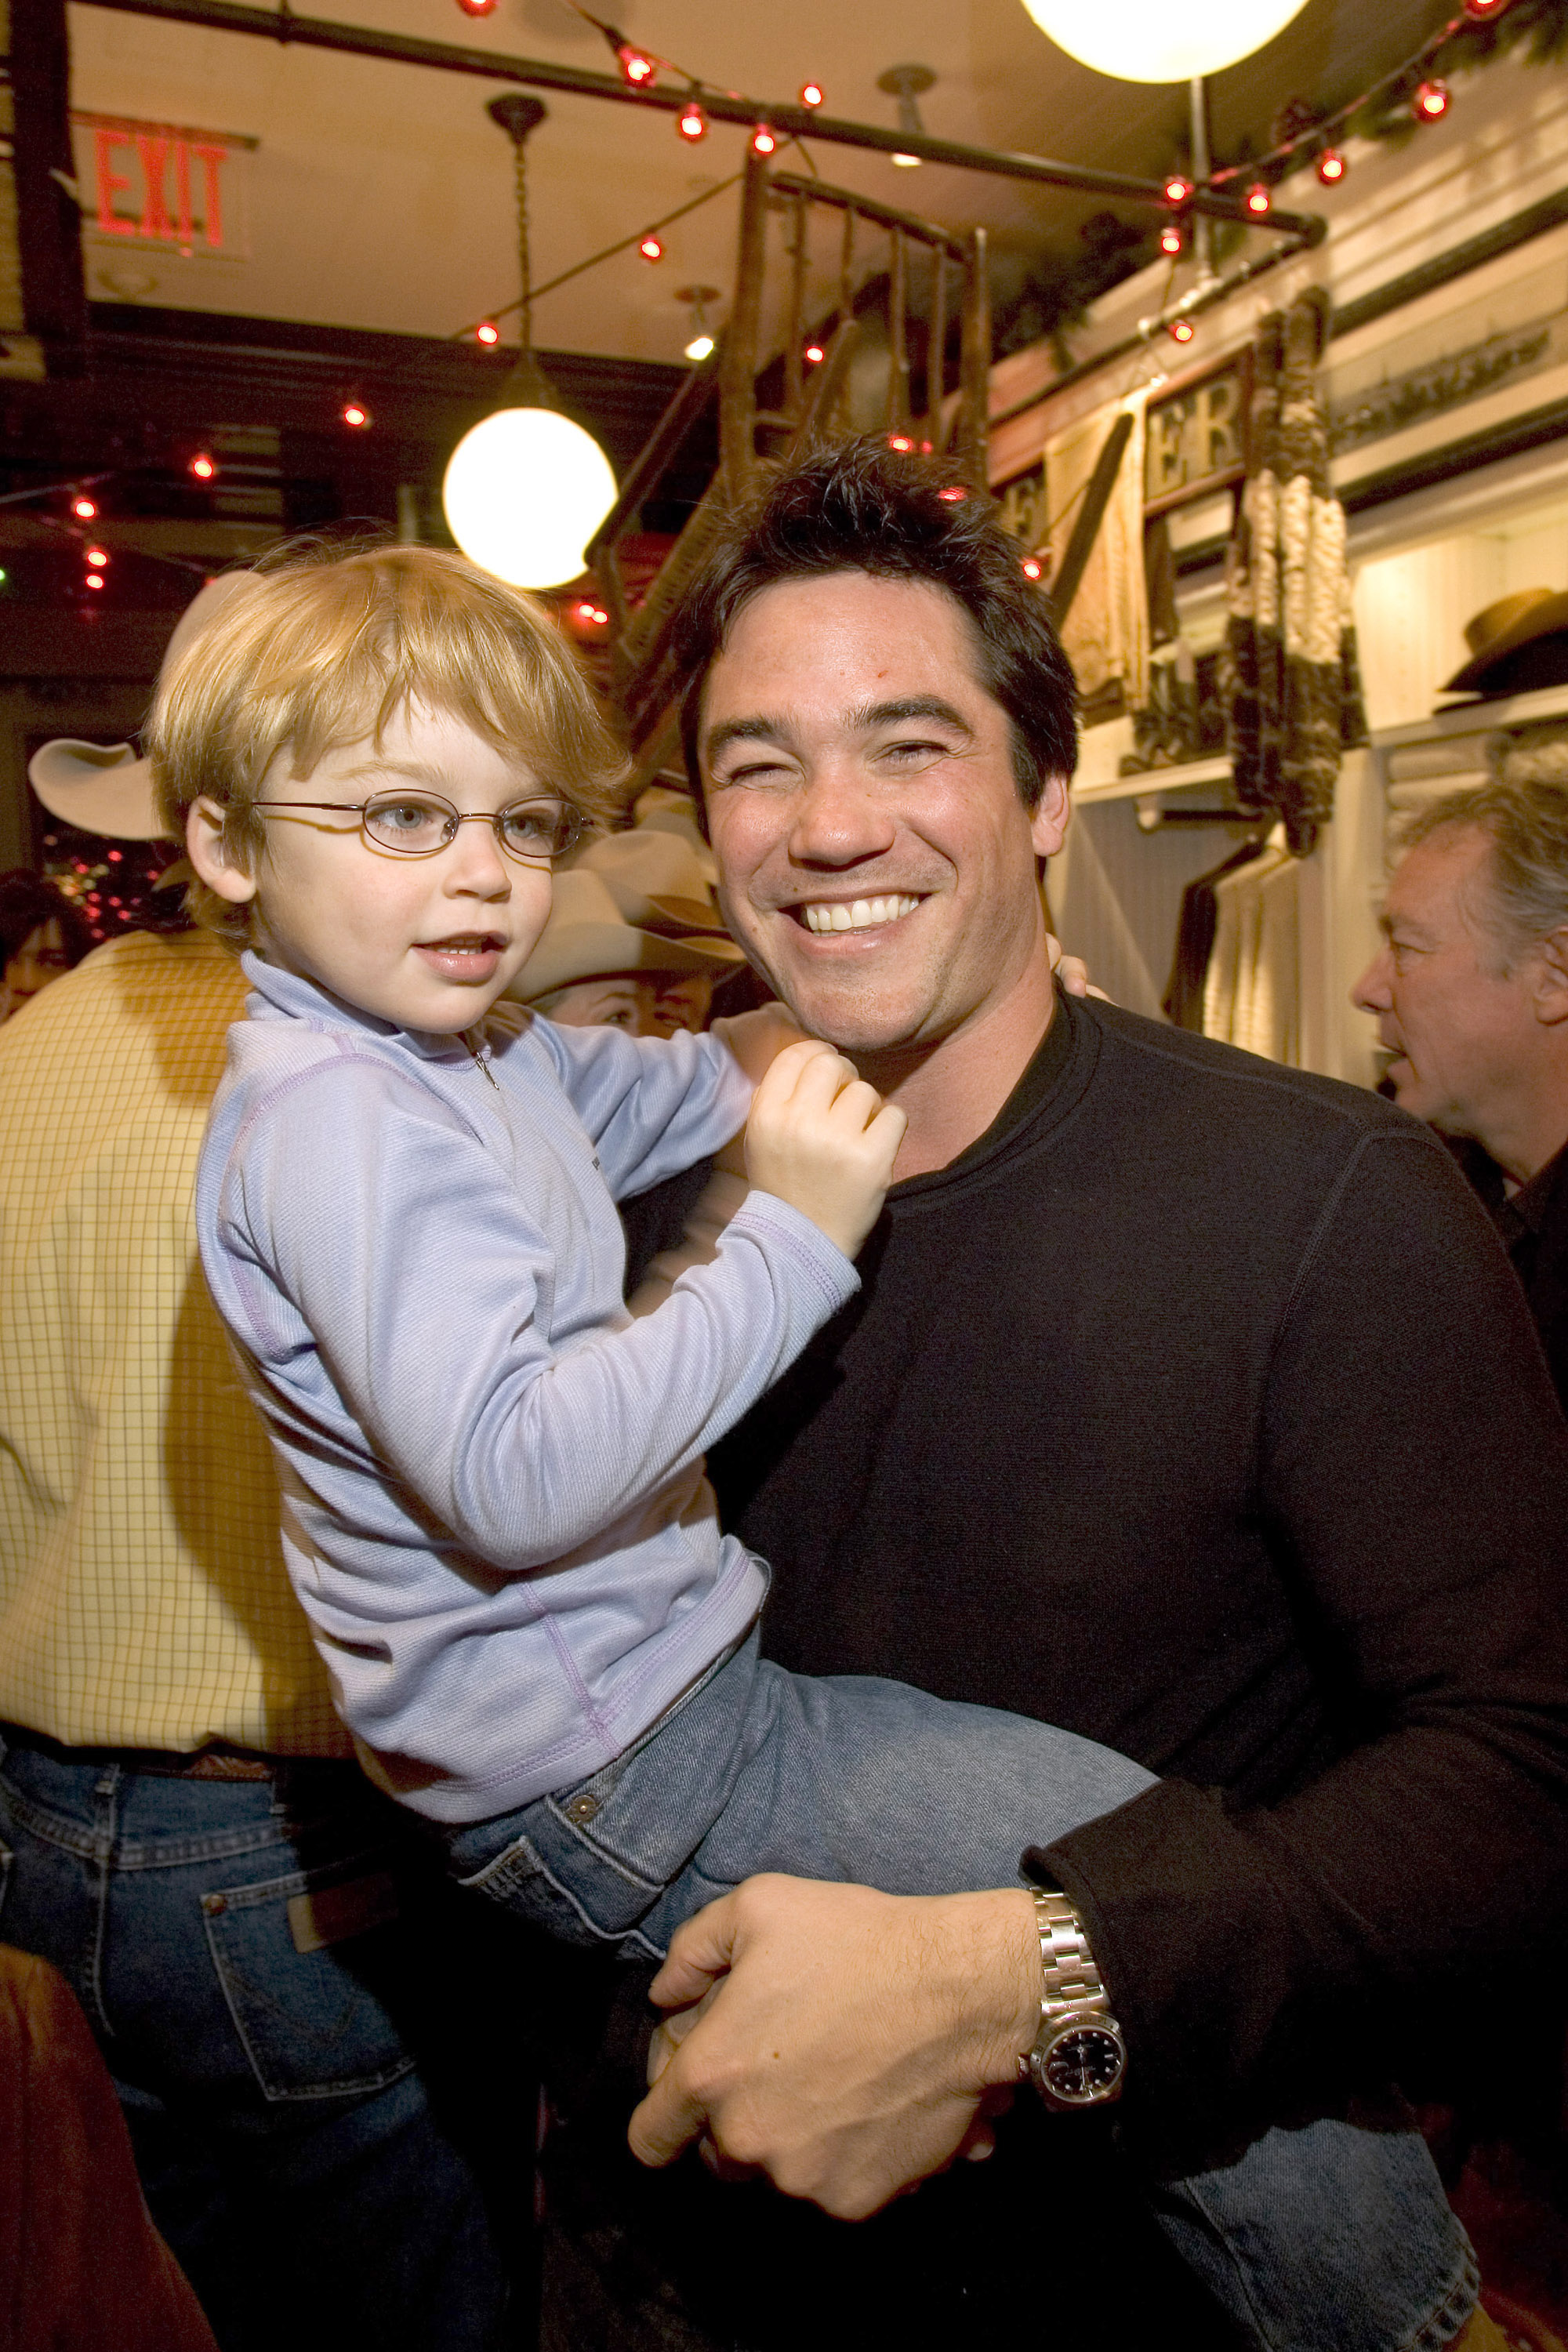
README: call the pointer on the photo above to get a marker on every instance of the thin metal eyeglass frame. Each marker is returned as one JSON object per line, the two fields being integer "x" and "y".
{"x": 455, "y": 817}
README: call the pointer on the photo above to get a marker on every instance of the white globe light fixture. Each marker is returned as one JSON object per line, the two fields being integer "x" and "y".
{"x": 526, "y": 488}
{"x": 524, "y": 492}
{"x": 1147, "y": 40}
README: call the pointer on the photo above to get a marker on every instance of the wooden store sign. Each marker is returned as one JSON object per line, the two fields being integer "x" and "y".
{"x": 161, "y": 187}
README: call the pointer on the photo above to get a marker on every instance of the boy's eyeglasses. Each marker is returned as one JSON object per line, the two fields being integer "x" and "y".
{"x": 418, "y": 825}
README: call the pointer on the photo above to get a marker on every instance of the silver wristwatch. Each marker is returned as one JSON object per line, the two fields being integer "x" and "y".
{"x": 1078, "y": 2058}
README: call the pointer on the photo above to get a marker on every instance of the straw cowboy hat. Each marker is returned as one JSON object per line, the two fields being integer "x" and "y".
{"x": 104, "y": 788}
{"x": 1498, "y": 638}
{"x": 588, "y": 937}
{"x": 657, "y": 879}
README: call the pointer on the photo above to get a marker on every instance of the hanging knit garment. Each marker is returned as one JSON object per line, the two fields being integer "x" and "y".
{"x": 1293, "y": 702}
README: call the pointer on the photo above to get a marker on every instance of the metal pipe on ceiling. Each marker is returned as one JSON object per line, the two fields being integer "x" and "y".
{"x": 793, "y": 120}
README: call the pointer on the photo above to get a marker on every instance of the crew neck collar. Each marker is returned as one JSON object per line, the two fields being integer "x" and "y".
{"x": 1066, "y": 1041}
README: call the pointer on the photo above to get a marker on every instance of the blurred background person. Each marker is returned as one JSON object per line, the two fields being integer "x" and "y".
{"x": 42, "y": 937}
{"x": 336, "y": 2146}
{"x": 1471, "y": 994}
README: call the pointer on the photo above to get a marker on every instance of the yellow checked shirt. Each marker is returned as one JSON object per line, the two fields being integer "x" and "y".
{"x": 144, "y": 1601}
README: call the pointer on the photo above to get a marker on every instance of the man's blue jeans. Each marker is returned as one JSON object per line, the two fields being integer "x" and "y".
{"x": 277, "y": 2098}
{"x": 1330, "y": 2238}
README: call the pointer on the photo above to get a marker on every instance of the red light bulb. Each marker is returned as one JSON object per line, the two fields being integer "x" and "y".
{"x": 584, "y": 612}
{"x": 1330, "y": 166}
{"x": 1258, "y": 199}
{"x": 952, "y": 496}
{"x": 1182, "y": 330}
{"x": 1430, "y": 103}
{"x": 356, "y": 414}
{"x": 692, "y": 124}
{"x": 487, "y": 331}
{"x": 811, "y": 93}
{"x": 202, "y": 466}
{"x": 478, "y": 7}
{"x": 637, "y": 67}
{"x": 899, "y": 441}
{"x": 97, "y": 556}
{"x": 1177, "y": 190}
{"x": 1031, "y": 567}
{"x": 651, "y": 249}
{"x": 763, "y": 141}
{"x": 1481, "y": 11}
{"x": 84, "y": 509}
{"x": 814, "y": 355}
{"x": 600, "y": 614}
{"x": 95, "y": 579}
{"x": 1171, "y": 239}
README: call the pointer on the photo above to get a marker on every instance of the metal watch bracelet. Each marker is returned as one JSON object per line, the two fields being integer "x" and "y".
{"x": 1072, "y": 1989}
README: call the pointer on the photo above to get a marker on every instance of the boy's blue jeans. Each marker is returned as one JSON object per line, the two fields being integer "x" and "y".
{"x": 1330, "y": 2236}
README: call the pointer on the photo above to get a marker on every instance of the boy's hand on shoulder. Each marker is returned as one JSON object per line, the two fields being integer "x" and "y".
{"x": 757, "y": 1039}
{"x": 821, "y": 1138}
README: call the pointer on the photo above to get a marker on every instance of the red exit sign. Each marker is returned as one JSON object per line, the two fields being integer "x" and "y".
{"x": 158, "y": 186}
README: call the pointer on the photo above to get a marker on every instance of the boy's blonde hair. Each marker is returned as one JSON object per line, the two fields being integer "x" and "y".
{"x": 325, "y": 648}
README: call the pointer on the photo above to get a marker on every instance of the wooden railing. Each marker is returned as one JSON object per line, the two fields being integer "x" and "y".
{"x": 813, "y": 406}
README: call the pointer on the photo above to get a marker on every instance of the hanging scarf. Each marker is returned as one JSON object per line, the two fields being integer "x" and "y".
{"x": 1292, "y": 690}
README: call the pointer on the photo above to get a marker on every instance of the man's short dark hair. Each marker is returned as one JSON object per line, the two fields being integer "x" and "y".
{"x": 861, "y": 506}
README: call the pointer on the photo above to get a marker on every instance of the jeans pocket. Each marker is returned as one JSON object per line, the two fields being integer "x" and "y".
{"x": 313, "y": 1966}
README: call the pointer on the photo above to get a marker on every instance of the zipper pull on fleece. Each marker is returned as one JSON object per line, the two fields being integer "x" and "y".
{"x": 482, "y": 1056}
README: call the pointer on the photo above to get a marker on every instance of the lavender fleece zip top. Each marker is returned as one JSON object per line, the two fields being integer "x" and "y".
{"x": 494, "y": 1507}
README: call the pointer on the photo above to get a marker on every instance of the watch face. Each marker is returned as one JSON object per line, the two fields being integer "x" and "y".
{"x": 1084, "y": 2066}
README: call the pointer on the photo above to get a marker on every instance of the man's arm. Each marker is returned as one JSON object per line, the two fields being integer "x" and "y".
{"x": 1414, "y": 1476}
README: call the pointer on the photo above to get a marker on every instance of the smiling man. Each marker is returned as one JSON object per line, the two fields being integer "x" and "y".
{"x": 1470, "y": 992}
{"x": 1168, "y": 1409}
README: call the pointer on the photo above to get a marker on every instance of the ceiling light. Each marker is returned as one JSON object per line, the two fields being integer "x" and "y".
{"x": 701, "y": 346}
{"x": 1258, "y": 199}
{"x": 1330, "y": 166}
{"x": 693, "y": 123}
{"x": 83, "y": 508}
{"x": 651, "y": 249}
{"x": 1147, "y": 40}
{"x": 526, "y": 488}
{"x": 811, "y": 93}
{"x": 487, "y": 331}
{"x": 906, "y": 83}
{"x": 524, "y": 493}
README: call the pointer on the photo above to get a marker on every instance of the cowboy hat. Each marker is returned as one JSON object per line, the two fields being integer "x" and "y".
{"x": 588, "y": 937}
{"x": 657, "y": 879}
{"x": 1503, "y": 629}
{"x": 104, "y": 788}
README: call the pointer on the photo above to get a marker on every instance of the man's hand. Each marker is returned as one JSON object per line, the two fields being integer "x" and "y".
{"x": 821, "y": 1138}
{"x": 847, "y": 2043}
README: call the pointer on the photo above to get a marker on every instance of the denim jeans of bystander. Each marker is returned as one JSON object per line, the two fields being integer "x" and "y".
{"x": 283, "y": 1993}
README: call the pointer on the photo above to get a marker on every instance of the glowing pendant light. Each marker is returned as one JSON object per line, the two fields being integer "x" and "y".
{"x": 1147, "y": 40}
{"x": 526, "y": 489}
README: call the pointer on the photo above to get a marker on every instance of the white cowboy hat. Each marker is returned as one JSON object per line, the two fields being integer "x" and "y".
{"x": 588, "y": 937}
{"x": 104, "y": 788}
